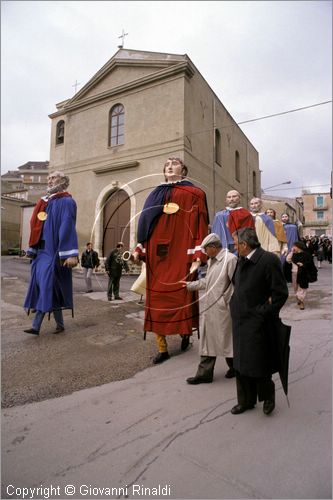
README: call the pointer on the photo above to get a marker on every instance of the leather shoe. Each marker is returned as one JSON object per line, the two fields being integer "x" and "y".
{"x": 230, "y": 373}
{"x": 236, "y": 410}
{"x": 59, "y": 329}
{"x": 161, "y": 356}
{"x": 269, "y": 406}
{"x": 118, "y": 298}
{"x": 198, "y": 380}
{"x": 31, "y": 330}
{"x": 185, "y": 342}
{"x": 109, "y": 299}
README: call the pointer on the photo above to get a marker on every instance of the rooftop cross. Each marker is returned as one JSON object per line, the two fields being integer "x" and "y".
{"x": 76, "y": 84}
{"x": 123, "y": 34}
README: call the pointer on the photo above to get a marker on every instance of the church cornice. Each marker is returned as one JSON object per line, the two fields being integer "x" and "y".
{"x": 115, "y": 167}
{"x": 184, "y": 67}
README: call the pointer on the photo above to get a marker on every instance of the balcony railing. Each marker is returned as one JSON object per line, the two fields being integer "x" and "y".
{"x": 320, "y": 223}
{"x": 320, "y": 207}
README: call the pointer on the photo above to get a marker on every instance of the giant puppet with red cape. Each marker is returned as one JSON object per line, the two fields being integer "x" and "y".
{"x": 172, "y": 225}
{"x": 229, "y": 220}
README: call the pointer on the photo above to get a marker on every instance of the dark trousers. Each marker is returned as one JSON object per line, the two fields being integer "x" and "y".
{"x": 251, "y": 388}
{"x": 207, "y": 364}
{"x": 113, "y": 286}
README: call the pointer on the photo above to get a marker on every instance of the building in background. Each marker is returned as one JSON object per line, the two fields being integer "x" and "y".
{"x": 284, "y": 205}
{"x": 19, "y": 189}
{"x": 317, "y": 214}
{"x": 114, "y": 136}
{"x": 28, "y": 182}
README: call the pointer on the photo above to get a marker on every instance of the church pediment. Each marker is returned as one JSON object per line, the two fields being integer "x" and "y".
{"x": 129, "y": 69}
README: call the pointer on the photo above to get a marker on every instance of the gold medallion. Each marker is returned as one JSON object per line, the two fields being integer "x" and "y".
{"x": 170, "y": 208}
{"x": 42, "y": 216}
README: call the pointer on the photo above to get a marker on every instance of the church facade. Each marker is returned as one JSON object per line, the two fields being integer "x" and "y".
{"x": 114, "y": 136}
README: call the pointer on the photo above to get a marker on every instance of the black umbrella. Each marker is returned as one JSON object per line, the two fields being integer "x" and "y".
{"x": 280, "y": 340}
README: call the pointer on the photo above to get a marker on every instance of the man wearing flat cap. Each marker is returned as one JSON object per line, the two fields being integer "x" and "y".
{"x": 216, "y": 330}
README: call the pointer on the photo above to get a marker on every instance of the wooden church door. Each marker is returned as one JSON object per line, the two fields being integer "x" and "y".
{"x": 116, "y": 216}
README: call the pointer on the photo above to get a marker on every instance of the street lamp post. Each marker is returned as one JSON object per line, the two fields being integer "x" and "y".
{"x": 276, "y": 185}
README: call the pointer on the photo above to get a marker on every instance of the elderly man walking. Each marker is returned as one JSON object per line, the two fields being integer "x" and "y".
{"x": 260, "y": 291}
{"x": 216, "y": 331}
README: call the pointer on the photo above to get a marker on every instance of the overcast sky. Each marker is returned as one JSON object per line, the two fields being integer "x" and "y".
{"x": 260, "y": 58}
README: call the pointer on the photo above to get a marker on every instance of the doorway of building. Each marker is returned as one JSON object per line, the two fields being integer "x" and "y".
{"x": 116, "y": 216}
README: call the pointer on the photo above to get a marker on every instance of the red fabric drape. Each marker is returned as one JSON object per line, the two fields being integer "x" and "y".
{"x": 36, "y": 225}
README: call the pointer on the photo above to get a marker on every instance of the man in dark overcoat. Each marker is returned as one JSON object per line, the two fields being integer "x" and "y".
{"x": 260, "y": 290}
{"x": 114, "y": 266}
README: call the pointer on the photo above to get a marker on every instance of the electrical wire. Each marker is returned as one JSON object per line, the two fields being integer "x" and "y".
{"x": 284, "y": 112}
{"x": 259, "y": 118}
{"x": 299, "y": 187}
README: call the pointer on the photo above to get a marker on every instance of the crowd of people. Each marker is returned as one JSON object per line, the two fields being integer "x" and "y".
{"x": 250, "y": 257}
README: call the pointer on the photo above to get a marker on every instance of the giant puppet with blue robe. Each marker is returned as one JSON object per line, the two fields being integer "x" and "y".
{"x": 292, "y": 235}
{"x": 53, "y": 247}
{"x": 229, "y": 220}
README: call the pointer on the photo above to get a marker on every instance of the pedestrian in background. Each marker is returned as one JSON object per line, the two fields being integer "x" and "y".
{"x": 53, "y": 248}
{"x": 114, "y": 266}
{"x": 260, "y": 290}
{"x": 216, "y": 327}
{"x": 90, "y": 263}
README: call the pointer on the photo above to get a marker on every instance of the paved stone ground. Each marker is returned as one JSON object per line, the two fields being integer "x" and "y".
{"x": 101, "y": 344}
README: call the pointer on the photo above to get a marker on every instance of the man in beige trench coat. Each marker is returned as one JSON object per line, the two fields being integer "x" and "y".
{"x": 216, "y": 329}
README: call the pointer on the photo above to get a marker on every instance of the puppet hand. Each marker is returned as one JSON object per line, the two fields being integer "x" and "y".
{"x": 135, "y": 256}
{"x": 71, "y": 262}
{"x": 195, "y": 265}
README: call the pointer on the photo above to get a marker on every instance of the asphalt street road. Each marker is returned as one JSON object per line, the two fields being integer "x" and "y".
{"x": 149, "y": 429}
{"x": 102, "y": 343}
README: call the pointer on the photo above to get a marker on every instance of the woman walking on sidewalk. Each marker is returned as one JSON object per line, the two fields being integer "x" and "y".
{"x": 303, "y": 271}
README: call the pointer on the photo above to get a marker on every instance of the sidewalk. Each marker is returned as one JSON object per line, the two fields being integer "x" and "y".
{"x": 154, "y": 431}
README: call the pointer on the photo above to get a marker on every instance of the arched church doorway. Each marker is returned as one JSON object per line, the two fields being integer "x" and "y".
{"x": 116, "y": 216}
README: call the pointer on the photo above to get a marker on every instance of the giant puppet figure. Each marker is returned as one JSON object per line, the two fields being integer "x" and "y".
{"x": 291, "y": 230}
{"x": 229, "y": 220}
{"x": 54, "y": 251}
{"x": 172, "y": 225}
{"x": 264, "y": 226}
{"x": 279, "y": 231}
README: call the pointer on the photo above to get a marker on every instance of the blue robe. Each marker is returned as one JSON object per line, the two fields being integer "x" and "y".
{"x": 291, "y": 231}
{"x": 229, "y": 220}
{"x": 269, "y": 223}
{"x": 51, "y": 285}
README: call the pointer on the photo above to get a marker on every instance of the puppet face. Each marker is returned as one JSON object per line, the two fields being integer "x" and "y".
{"x": 53, "y": 180}
{"x": 270, "y": 212}
{"x": 173, "y": 170}
{"x": 233, "y": 199}
{"x": 255, "y": 205}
